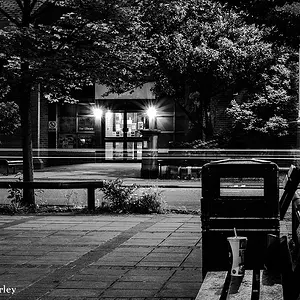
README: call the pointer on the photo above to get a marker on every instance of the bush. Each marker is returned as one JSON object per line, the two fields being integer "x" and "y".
{"x": 195, "y": 144}
{"x": 125, "y": 199}
{"x": 148, "y": 202}
{"x": 15, "y": 195}
{"x": 116, "y": 196}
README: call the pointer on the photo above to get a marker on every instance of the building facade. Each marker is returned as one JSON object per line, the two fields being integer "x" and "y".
{"x": 108, "y": 127}
{"x": 99, "y": 127}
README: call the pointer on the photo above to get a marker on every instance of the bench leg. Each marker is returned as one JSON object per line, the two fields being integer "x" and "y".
{"x": 91, "y": 198}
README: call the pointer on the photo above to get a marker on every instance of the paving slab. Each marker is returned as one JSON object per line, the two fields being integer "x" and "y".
{"x": 101, "y": 257}
{"x": 97, "y": 257}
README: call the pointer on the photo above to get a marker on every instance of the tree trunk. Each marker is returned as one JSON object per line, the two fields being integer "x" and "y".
{"x": 25, "y": 110}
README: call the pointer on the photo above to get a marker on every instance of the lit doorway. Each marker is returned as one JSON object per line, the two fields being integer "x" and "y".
{"x": 123, "y": 140}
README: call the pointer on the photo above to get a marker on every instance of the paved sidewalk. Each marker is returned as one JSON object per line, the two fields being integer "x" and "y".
{"x": 100, "y": 257}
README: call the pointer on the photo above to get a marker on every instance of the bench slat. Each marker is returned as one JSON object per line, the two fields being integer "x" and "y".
{"x": 240, "y": 287}
{"x": 270, "y": 287}
{"x": 14, "y": 163}
{"x": 211, "y": 288}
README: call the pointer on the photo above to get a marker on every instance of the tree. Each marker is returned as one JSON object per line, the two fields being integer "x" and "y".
{"x": 9, "y": 110}
{"x": 262, "y": 117}
{"x": 282, "y": 18}
{"x": 9, "y": 117}
{"x": 203, "y": 50}
{"x": 62, "y": 46}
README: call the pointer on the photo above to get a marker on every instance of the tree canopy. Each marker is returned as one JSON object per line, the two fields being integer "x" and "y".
{"x": 62, "y": 46}
{"x": 281, "y": 17}
{"x": 193, "y": 50}
{"x": 86, "y": 42}
{"x": 9, "y": 117}
{"x": 264, "y": 114}
{"x": 202, "y": 50}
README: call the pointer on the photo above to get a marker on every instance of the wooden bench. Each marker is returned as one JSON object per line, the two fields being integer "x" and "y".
{"x": 220, "y": 285}
{"x": 11, "y": 164}
{"x": 89, "y": 185}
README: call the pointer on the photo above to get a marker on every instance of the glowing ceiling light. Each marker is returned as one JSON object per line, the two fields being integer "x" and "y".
{"x": 98, "y": 112}
{"x": 151, "y": 112}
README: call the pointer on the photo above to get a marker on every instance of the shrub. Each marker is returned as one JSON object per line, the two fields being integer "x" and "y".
{"x": 195, "y": 144}
{"x": 148, "y": 202}
{"x": 119, "y": 198}
{"x": 15, "y": 195}
{"x": 17, "y": 203}
{"x": 116, "y": 196}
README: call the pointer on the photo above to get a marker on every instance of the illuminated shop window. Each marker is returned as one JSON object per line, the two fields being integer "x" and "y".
{"x": 114, "y": 124}
{"x": 134, "y": 150}
{"x": 115, "y": 150}
{"x": 135, "y": 122}
{"x": 130, "y": 150}
{"x": 139, "y": 150}
{"x": 109, "y": 150}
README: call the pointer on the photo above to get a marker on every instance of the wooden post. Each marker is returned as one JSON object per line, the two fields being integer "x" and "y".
{"x": 91, "y": 198}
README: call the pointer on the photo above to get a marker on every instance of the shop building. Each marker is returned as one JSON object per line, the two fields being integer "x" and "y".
{"x": 100, "y": 126}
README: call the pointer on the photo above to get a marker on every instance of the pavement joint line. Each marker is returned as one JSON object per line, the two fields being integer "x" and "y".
{"x": 165, "y": 283}
{"x": 64, "y": 272}
{"x": 20, "y": 221}
{"x": 156, "y": 296}
{"x": 186, "y": 257}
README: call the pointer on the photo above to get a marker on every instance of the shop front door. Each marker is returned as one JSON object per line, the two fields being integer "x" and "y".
{"x": 122, "y": 135}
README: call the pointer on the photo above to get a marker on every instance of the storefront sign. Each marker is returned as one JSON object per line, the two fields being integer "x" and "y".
{"x": 86, "y": 123}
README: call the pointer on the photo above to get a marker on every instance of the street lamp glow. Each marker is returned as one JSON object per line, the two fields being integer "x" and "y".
{"x": 98, "y": 112}
{"x": 151, "y": 112}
